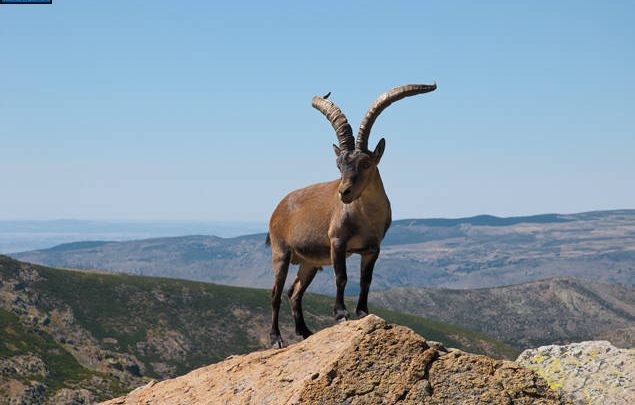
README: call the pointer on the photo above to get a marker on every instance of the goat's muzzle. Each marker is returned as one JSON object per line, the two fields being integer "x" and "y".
{"x": 346, "y": 194}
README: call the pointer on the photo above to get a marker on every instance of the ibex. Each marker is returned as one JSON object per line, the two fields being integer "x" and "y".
{"x": 325, "y": 223}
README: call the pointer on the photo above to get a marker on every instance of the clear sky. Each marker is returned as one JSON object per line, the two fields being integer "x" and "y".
{"x": 201, "y": 110}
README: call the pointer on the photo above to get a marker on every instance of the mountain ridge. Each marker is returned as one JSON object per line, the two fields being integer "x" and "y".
{"x": 481, "y": 219}
{"x": 453, "y": 256}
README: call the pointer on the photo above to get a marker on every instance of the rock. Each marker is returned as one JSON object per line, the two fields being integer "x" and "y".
{"x": 27, "y": 365}
{"x": 66, "y": 396}
{"x": 356, "y": 362}
{"x": 170, "y": 343}
{"x": 593, "y": 372}
{"x": 18, "y": 392}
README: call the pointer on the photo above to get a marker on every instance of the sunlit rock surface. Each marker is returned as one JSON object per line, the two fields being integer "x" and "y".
{"x": 357, "y": 362}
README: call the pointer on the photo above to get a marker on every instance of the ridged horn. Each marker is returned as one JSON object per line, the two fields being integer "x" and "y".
{"x": 337, "y": 118}
{"x": 382, "y": 103}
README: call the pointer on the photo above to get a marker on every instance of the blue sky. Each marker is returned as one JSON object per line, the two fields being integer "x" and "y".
{"x": 169, "y": 110}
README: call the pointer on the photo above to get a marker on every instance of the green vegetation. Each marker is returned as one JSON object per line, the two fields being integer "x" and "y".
{"x": 63, "y": 369}
{"x": 127, "y": 307}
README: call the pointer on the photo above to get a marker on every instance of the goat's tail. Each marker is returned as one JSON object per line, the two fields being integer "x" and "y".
{"x": 268, "y": 240}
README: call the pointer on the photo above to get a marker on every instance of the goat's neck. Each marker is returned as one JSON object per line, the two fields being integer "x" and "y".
{"x": 373, "y": 195}
{"x": 375, "y": 188}
{"x": 370, "y": 213}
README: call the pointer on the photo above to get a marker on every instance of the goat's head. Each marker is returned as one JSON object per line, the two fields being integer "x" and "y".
{"x": 357, "y": 164}
{"x": 357, "y": 167}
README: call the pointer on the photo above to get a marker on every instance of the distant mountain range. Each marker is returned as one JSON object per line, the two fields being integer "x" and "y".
{"x": 475, "y": 252}
{"x": 554, "y": 311}
{"x": 76, "y": 337}
{"x": 19, "y": 235}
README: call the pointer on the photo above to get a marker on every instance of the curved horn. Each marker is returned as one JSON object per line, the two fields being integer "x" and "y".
{"x": 337, "y": 118}
{"x": 382, "y": 103}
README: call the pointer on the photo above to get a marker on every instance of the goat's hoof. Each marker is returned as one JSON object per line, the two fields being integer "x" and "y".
{"x": 305, "y": 333}
{"x": 277, "y": 342}
{"x": 341, "y": 315}
{"x": 361, "y": 313}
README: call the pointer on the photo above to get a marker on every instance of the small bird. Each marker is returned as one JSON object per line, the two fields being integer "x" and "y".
{"x": 326, "y": 95}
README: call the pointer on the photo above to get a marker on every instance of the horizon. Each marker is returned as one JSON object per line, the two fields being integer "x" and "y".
{"x": 251, "y": 222}
{"x": 211, "y": 120}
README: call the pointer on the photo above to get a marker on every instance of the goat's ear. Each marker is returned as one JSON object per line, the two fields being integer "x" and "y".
{"x": 337, "y": 150}
{"x": 379, "y": 150}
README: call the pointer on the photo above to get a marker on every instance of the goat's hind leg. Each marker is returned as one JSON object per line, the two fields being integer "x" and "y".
{"x": 306, "y": 273}
{"x": 280, "y": 263}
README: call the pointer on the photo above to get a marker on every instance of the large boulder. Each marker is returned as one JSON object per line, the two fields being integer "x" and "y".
{"x": 587, "y": 373}
{"x": 357, "y": 362}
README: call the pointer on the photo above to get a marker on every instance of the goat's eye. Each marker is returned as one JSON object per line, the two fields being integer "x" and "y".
{"x": 364, "y": 164}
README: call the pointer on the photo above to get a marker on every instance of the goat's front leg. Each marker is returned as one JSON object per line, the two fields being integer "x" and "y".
{"x": 368, "y": 264}
{"x": 338, "y": 258}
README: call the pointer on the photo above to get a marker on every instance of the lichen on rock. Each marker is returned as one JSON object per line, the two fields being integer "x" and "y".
{"x": 594, "y": 372}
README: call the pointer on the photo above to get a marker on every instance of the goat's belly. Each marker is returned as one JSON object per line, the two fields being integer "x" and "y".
{"x": 359, "y": 245}
{"x": 315, "y": 255}
{"x": 314, "y": 258}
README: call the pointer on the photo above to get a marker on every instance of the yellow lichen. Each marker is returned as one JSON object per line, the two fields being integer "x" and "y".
{"x": 554, "y": 385}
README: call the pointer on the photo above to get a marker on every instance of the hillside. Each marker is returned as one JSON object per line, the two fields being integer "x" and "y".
{"x": 476, "y": 252}
{"x": 363, "y": 362}
{"x": 33, "y": 366}
{"x": 560, "y": 310}
{"x": 108, "y": 333}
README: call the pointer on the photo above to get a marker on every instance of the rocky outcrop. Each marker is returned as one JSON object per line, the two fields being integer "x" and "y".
{"x": 71, "y": 397}
{"x": 24, "y": 366}
{"x": 46, "y": 357}
{"x": 357, "y": 362}
{"x": 13, "y": 391}
{"x": 17, "y": 295}
{"x": 587, "y": 373}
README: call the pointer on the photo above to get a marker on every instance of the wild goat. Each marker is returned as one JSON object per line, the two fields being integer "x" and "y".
{"x": 325, "y": 223}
